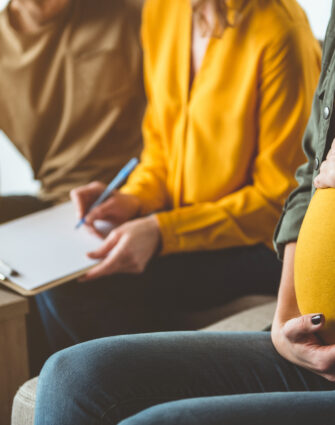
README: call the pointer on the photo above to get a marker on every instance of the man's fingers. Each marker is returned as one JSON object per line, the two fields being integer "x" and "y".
{"x": 300, "y": 327}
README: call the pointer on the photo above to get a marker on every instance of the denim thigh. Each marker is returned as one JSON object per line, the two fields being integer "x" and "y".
{"x": 276, "y": 408}
{"x": 108, "y": 380}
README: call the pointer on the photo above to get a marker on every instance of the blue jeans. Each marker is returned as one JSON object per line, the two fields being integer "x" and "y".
{"x": 170, "y": 287}
{"x": 184, "y": 378}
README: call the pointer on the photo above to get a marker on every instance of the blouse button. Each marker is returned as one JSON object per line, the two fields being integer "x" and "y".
{"x": 326, "y": 113}
{"x": 316, "y": 164}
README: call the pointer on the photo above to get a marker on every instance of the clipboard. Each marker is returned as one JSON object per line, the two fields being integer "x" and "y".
{"x": 46, "y": 250}
{"x": 29, "y": 293}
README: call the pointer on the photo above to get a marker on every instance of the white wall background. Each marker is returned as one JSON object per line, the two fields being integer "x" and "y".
{"x": 15, "y": 173}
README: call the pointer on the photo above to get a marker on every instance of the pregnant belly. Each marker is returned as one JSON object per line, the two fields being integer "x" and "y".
{"x": 314, "y": 271}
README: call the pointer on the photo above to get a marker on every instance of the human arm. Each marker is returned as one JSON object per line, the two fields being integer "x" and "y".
{"x": 248, "y": 215}
{"x": 295, "y": 336}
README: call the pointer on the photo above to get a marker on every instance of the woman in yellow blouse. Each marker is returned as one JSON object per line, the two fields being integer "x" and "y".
{"x": 229, "y": 86}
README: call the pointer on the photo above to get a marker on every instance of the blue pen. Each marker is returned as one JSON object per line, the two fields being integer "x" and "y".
{"x": 114, "y": 184}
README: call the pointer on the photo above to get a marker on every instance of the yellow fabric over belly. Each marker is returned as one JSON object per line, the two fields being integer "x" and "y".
{"x": 315, "y": 261}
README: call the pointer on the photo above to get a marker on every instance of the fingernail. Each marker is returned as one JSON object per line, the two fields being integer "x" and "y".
{"x": 316, "y": 320}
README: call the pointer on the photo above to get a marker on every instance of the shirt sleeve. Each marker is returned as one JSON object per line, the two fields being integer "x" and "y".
{"x": 290, "y": 222}
{"x": 294, "y": 211}
{"x": 288, "y": 76}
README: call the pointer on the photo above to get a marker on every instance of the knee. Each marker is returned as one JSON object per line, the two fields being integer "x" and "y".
{"x": 65, "y": 392}
{"x": 59, "y": 374}
{"x": 75, "y": 369}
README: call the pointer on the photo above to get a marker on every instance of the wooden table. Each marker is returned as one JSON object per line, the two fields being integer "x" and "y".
{"x": 14, "y": 367}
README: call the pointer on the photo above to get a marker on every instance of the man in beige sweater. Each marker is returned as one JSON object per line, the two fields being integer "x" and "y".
{"x": 71, "y": 101}
{"x": 71, "y": 96}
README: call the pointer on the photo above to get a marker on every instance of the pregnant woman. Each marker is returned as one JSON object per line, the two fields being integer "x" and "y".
{"x": 196, "y": 378}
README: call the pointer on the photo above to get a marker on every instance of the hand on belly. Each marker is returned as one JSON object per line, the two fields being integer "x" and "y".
{"x": 315, "y": 261}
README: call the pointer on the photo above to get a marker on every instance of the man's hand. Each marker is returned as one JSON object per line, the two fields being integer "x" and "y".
{"x": 127, "y": 249}
{"x": 117, "y": 209}
{"x": 326, "y": 178}
{"x": 297, "y": 341}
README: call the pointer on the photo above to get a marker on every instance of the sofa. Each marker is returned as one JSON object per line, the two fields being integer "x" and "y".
{"x": 251, "y": 313}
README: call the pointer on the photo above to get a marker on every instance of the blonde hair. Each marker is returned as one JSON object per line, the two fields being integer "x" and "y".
{"x": 223, "y": 14}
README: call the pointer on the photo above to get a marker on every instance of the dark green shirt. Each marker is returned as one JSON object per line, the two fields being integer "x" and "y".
{"x": 316, "y": 143}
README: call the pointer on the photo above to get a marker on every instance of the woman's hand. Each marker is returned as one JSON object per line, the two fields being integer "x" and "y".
{"x": 297, "y": 341}
{"x": 117, "y": 209}
{"x": 326, "y": 178}
{"x": 127, "y": 249}
{"x": 295, "y": 336}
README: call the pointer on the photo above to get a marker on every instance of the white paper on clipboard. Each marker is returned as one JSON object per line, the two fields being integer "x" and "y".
{"x": 44, "y": 247}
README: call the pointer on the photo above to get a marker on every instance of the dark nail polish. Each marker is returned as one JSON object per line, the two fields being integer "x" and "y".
{"x": 316, "y": 320}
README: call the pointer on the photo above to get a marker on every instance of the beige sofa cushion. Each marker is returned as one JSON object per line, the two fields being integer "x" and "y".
{"x": 203, "y": 319}
{"x": 24, "y": 404}
{"x": 252, "y": 320}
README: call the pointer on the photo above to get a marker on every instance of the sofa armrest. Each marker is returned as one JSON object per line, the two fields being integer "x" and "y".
{"x": 24, "y": 404}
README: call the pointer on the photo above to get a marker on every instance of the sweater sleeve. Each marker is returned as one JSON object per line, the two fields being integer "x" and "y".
{"x": 287, "y": 79}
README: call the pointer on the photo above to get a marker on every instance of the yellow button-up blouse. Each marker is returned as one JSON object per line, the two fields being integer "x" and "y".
{"x": 219, "y": 157}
